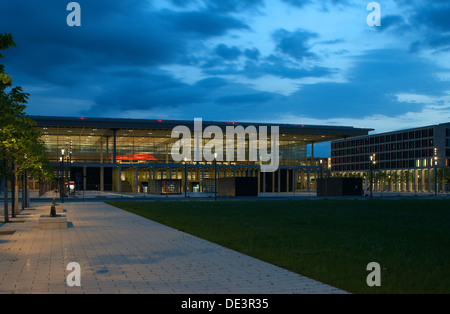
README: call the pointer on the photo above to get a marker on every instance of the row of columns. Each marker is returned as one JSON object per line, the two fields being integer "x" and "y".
{"x": 420, "y": 180}
{"x": 128, "y": 178}
{"x": 199, "y": 174}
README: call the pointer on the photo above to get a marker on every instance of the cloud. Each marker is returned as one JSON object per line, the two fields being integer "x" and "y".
{"x": 433, "y": 23}
{"x": 280, "y": 67}
{"x": 434, "y": 15}
{"x": 428, "y": 115}
{"x": 294, "y": 44}
{"x": 252, "y": 54}
{"x": 248, "y": 60}
{"x": 182, "y": 3}
{"x": 113, "y": 59}
{"x": 156, "y": 89}
{"x": 211, "y": 83}
{"x": 323, "y": 3}
{"x": 254, "y": 98}
{"x": 371, "y": 87}
{"x": 392, "y": 22}
{"x": 234, "y": 5}
{"x": 203, "y": 24}
{"x": 298, "y": 3}
{"x": 112, "y": 34}
{"x": 274, "y": 66}
{"x": 228, "y": 53}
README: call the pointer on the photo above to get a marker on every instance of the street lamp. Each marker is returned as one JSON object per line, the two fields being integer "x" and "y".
{"x": 185, "y": 177}
{"x": 321, "y": 177}
{"x": 24, "y": 185}
{"x": 70, "y": 166}
{"x": 435, "y": 171}
{"x": 372, "y": 165}
{"x": 215, "y": 176}
{"x": 61, "y": 177}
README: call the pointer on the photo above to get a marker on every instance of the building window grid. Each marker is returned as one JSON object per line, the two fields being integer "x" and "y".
{"x": 396, "y": 150}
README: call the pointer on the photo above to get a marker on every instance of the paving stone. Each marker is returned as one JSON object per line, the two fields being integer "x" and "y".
{"x": 120, "y": 252}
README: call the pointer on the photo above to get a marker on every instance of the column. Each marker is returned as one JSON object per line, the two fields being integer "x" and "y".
{"x": 119, "y": 181}
{"x": 293, "y": 180}
{"x": 203, "y": 178}
{"x": 264, "y": 182}
{"x": 307, "y": 180}
{"x": 107, "y": 150}
{"x": 279, "y": 180}
{"x": 136, "y": 181}
{"x": 102, "y": 178}
{"x": 287, "y": 180}
{"x": 273, "y": 181}
{"x": 114, "y": 146}
{"x": 84, "y": 178}
{"x": 259, "y": 180}
{"x": 101, "y": 150}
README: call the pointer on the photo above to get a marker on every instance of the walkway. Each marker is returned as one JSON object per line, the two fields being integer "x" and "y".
{"x": 120, "y": 252}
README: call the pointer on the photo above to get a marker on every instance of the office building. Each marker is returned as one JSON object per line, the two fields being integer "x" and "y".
{"x": 403, "y": 160}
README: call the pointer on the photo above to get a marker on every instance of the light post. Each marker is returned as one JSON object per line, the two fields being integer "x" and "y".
{"x": 67, "y": 178}
{"x": 321, "y": 177}
{"x": 185, "y": 177}
{"x": 62, "y": 179}
{"x": 435, "y": 171}
{"x": 24, "y": 184}
{"x": 215, "y": 176}
{"x": 372, "y": 165}
{"x": 70, "y": 167}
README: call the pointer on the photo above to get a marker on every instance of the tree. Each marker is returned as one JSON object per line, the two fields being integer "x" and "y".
{"x": 20, "y": 146}
{"x": 6, "y": 41}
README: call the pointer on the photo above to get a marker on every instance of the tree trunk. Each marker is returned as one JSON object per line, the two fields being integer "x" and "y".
{"x": 27, "y": 192}
{"x": 24, "y": 199}
{"x": 13, "y": 191}
{"x": 5, "y": 199}
{"x": 16, "y": 190}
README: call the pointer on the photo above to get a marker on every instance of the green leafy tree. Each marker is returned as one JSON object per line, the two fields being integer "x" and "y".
{"x": 6, "y": 41}
{"x": 20, "y": 146}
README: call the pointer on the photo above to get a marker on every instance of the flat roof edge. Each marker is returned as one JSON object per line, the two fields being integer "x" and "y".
{"x": 166, "y": 124}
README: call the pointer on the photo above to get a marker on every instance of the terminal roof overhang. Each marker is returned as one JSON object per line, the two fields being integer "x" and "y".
{"x": 163, "y": 128}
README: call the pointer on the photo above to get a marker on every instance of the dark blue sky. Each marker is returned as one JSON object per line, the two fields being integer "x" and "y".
{"x": 286, "y": 61}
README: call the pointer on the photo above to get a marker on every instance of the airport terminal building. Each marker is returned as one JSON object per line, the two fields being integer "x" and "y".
{"x": 134, "y": 155}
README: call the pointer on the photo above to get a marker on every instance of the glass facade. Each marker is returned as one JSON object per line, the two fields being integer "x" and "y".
{"x": 134, "y": 155}
{"x": 96, "y": 145}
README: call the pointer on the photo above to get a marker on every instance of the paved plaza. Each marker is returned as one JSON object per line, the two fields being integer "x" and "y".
{"x": 120, "y": 252}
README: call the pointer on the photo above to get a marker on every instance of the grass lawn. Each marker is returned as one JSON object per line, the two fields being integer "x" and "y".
{"x": 328, "y": 240}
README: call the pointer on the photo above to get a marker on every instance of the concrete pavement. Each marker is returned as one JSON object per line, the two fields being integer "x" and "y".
{"x": 120, "y": 252}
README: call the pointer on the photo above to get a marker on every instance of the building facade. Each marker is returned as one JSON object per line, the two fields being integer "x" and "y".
{"x": 405, "y": 160}
{"x": 134, "y": 155}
